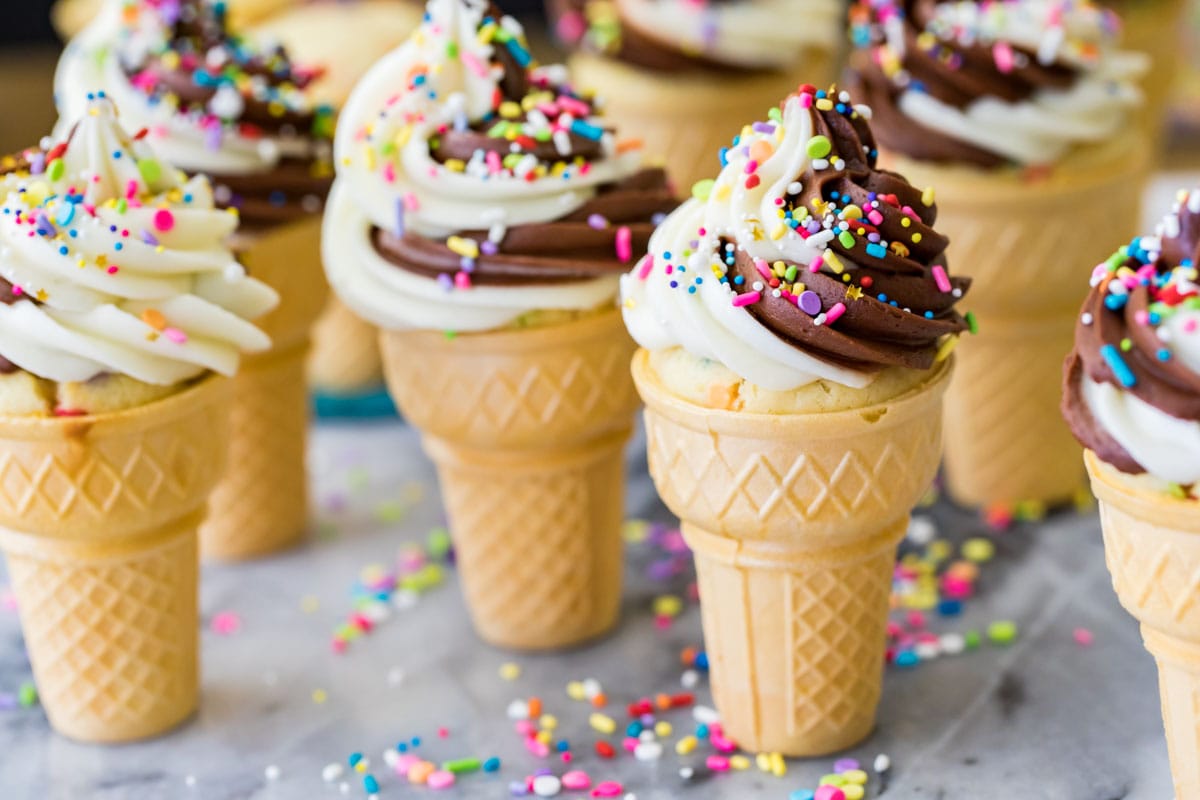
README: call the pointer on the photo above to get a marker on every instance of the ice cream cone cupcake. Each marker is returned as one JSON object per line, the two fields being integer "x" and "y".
{"x": 795, "y": 319}
{"x": 216, "y": 104}
{"x": 682, "y": 75}
{"x": 1023, "y": 115}
{"x": 1131, "y": 395}
{"x": 120, "y": 304}
{"x": 71, "y": 17}
{"x": 481, "y": 217}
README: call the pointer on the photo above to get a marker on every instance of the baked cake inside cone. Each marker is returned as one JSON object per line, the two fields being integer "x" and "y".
{"x": 796, "y": 318}
{"x": 481, "y": 217}
{"x": 1026, "y": 117}
{"x": 120, "y": 301}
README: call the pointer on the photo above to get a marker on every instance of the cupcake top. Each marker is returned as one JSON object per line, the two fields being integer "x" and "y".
{"x": 211, "y": 101}
{"x": 114, "y": 262}
{"x": 475, "y": 186}
{"x": 676, "y": 35}
{"x": 802, "y": 261}
{"x": 1132, "y": 384}
{"x": 993, "y": 82}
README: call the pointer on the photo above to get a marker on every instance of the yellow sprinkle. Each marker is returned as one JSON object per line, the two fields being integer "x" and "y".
{"x": 916, "y": 238}
{"x": 855, "y": 776}
{"x": 404, "y": 135}
{"x": 723, "y": 192}
{"x": 778, "y": 232}
{"x": 852, "y": 212}
{"x": 544, "y": 737}
{"x": 662, "y": 729}
{"x": 667, "y": 606}
{"x": 946, "y": 348}
{"x": 905, "y": 222}
{"x": 763, "y": 761}
{"x": 463, "y": 246}
{"x": 510, "y": 110}
{"x": 825, "y": 104}
{"x": 739, "y": 762}
{"x": 319, "y": 696}
{"x": 309, "y": 603}
{"x": 778, "y": 765}
{"x": 510, "y": 671}
{"x": 853, "y": 293}
{"x": 602, "y": 723}
{"x": 834, "y": 262}
{"x": 686, "y": 745}
{"x": 456, "y": 165}
{"x": 548, "y": 721}
{"x": 575, "y": 691}
{"x": 927, "y": 196}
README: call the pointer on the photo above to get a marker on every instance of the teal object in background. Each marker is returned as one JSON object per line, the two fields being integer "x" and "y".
{"x": 372, "y": 405}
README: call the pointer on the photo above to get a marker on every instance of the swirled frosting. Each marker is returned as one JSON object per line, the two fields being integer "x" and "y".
{"x": 475, "y": 186}
{"x": 112, "y": 261}
{"x": 211, "y": 101}
{"x": 992, "y": 83}
{"x": 676, "y": 35}
{"x": 1132, "y": 383}
{"x": 802, "y": 261}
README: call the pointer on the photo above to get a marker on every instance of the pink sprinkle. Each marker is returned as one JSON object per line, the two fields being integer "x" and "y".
{"x": 1141, "y": 317}
{"x": 763, "y": 269}
{"x": 443, "y": 733}
{"x": 175, "y": 335}
{"x": 389, "y": 172}
{"x": 411, "y": 202}
{"x": 624, "y": 244}
{"x": 908, "y": 212}
{"x": 566, "y": 757}
{"x": 806, "y": 100}
{"x": 525, "y": 728}
{"x": 646, "y": 267}
{"x": 717, "y": 763}
{"x": 941, "y": 279}
{"x": 576, "y": 779}
{"x": 473, "y": 63}
{"x": 131, "y": 190}
{"x": 721, "y": 743}
{"x": 629, "y": 743}
{"x": 1003, "y": 55}
{"x": 833, "y": 314}
{"x": 828, "y": 792}
{"x": 539, "y": 749}
{"x": 608, "y": 789}
{"x": 462, "y": 280}
{"x": 819, "y": 261}
{"x": 875, "y": 217}
{"x": 1083, "y": 637}
{"x": 574, "y": 106}
{"x": 751, "y": 166}
{"x": 113, "y": 269}
{"x": 164, "y": 220}
{"x": 746, "y": 299}
{"x": 1189, "y": 326}
{"x": 225, "y": 623}
{"x": 405, "y": 763}
{"x": 17, "y": 290}
{"x": 440, "y": 780}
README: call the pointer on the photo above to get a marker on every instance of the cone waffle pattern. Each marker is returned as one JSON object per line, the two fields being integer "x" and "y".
{"x": 345, "y": 353}
{"x": 1006, "y": 441}
{"x": 794, "y": 521}
{"x": 1002, "y": 413}
{"x": 261, "y": 505}
{"x": 527, "y": 429}
{"x": 685, "y": 121}
{"x": 99, "y": 519}
{"x": 1152, "y": 546}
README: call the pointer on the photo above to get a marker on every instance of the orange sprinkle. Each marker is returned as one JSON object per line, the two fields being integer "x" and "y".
{"x": 600, "y": 700}
{"x": 535, "y": 708}
{"x": 625, "y": 145}
{"x": 154, "y": 319}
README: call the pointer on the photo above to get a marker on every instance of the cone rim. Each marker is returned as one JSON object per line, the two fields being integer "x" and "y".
{"x": 1156, "y": 507}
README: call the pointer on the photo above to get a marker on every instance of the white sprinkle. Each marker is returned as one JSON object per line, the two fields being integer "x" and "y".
{"x": 686, "y": 773}
{"x": 331, "y": 772}
{"x": 927, "y": 651}
{"x": 546, "y": 785}
{"x": 952, "y": 643}
{"x": 271, "y": 773}
{"x": 820, "y": 163}
{"x": 646, "y": 736}
{"x": 921, "y": 530}
{"x": 395, "y": 676}
{"x": 391, "y": 756}
{"x": 405, "y": 599}
{"x": 956, "y": 292}
{"x": 795, "y": 187}
{"x": 1086, "y": 318}
{"x": 705, "y": 715}
{"x": 757, "y": 286}
{"x": 189, "y": 781}
{"x": 689, "y": 679}
{"x": 882, "y": 762}
{"x": 518, "y": 709}
{"x": 592, "y": 688}
{"x": 648, "y": 751}
{"x": 344, "y": 787}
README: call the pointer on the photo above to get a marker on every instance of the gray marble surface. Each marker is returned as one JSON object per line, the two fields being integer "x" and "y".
{"x": 1041, "y": 718}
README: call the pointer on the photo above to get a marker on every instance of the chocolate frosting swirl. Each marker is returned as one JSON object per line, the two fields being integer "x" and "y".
{"x": 895, "y": 313}
{"x": 1119, "y": 338}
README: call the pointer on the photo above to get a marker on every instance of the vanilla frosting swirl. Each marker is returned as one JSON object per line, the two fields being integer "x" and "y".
{"x": 112, "y": 261}
{"x": 462, "y": 75}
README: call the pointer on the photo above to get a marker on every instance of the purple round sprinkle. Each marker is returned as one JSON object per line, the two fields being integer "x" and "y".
{"x": 488, "y": 247}
{"x": 845, "y": 764}
{"x": 597, "y": 221}
{"x": 445, "y": 281}
{"x": 810, "y": 303}
{"x": 657, "y": 219}
{"x": 467, "y": 264}
{"x": 517, "y": 789}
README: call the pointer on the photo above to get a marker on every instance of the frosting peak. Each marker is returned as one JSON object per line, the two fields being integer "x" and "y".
{"x": 112, "y": 261}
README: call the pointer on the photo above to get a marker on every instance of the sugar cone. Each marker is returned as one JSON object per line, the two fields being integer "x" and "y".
{"x": 98, "y": 519}
{"x": 261, "y": 505}
{"x": 794, "y": 521}
{"x": 685, "y": 119}
{"x": 345, "y": 353}
{"x": 1028, "y": 247}
{"x": 1152, "y": 546}
{"x": 527, "y": 428}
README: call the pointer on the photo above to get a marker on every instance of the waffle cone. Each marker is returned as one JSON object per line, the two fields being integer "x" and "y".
{"x": 261, "y": 504}
{"x": 527, "y": 428}
{"x": 1028, "y": 248}
{"x": 1152, "y": 546}
{"x": 794, "y": 521}
{"x": 345, "y": 353}
{"x": 98, "y": 519}
{"x": 683, "y": 119}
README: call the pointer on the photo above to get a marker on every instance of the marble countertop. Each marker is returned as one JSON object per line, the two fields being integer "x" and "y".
{"x": 1041, "y": 718}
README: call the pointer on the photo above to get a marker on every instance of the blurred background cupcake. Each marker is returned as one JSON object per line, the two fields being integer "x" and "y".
{"x": 1024, "y": 116}
{"x": 684, "y": 74}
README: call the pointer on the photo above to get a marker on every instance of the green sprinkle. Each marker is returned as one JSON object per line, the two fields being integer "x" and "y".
{"x": 971, "y": 639}
{"x": 791, "y": 273}
{"x": 461, "y": 765}
{"x": 1177, "y": 491}
{"x": 1002, "y": 632}
{"x": 390, "y": 511}
{"x": 56, "y": 169}
{"x": 452, "y": 49}
{"x": 847, "y": 239}
{"x": 450, "y": 334}
{"x": 972, "y": 323}
{"x": 702, "y": 189}
{"x": 122, "y": 206}
{"x": 151, "y": 170}
{"x": 438, "y": 544}
{"x": 1126, "y": 345}
{"x": 27, "y": 695}
{"x": 819, "y": 146}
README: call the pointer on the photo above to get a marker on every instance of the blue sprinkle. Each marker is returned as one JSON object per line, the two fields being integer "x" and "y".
{"x": 634, "y": 730}
{"x": 674, "y": 284}
{"x": 802, "y": 794}
{"x": 1115, "y": 302}
{"x": 701, "y": 731}
{"x": 950, "y": 607}
{"x": 691, "y": 290}
{"x": 586, "y": 130}
{"x": 402, "y": 747}
{"x": 928, "y": 315}
{"x": 416, "y": 741}
{"x": 907, "y": 658}
{"x": 354, "y": 759}
{"x": 563, "y": 746}
{"x": 1164, "y": 354}
{"x": 701, "y": 661}
{"x": 370, "y": 784}
{"x": 877, "y": 250}
{"x": 491, "y": 765}
{"x": 63, "y": 250}
{"x": 882, "y": 297}
{"x": 519, "y": 53}
{"x": 118, "y": 246}
{"x": 1118, "y": 366}
{"x": 738, "y": 280}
